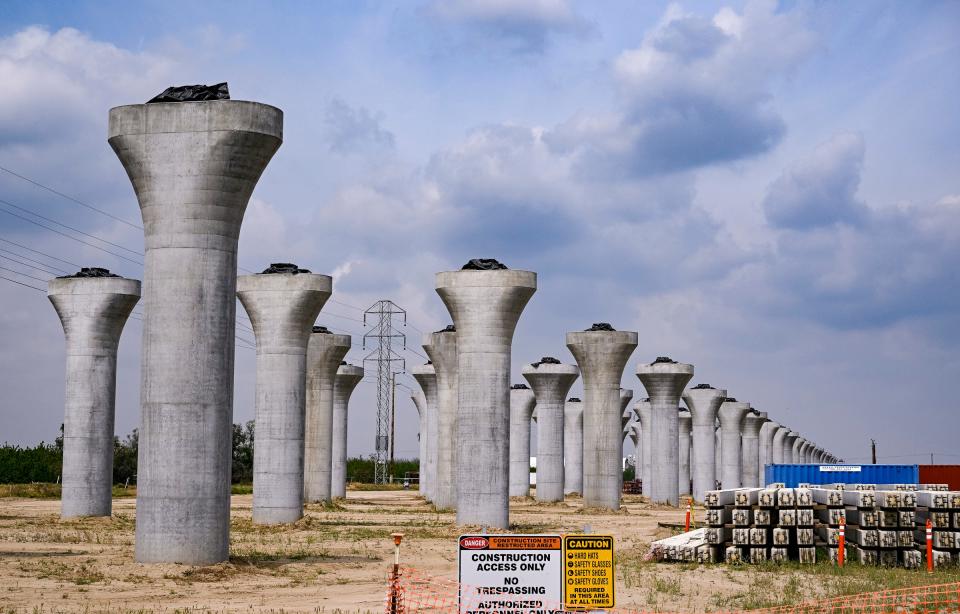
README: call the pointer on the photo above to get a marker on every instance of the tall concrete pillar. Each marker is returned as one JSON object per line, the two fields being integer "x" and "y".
{"x": 750, "y": 450}
{"x": 420, "y": 404}
{"x": 718, "y": 456}
{"x": 767, "y": 433}
{"x": 551, "y": 382}
{"x": 93, "y": 306}
{"x": 684, "y": 428}
{"x": 522, "y": 402}
{"x": 572, "y": 446}
{"x": 795, "y": 450}
{"x": 788, "y": 444}
{"x": 426, "y": 376}
{"x": 193, "y": 166}
{"x": 441, "y": 432}
{"x": 485, "y": 300}
{"x": 732, "y": 414}
{"x": 325, "y": 350}
{"x": 665, "y": 380}
{"x": 346, "y": 379}
{"x": 644, "y": 410}
{"x": 633, "y": 432}
{"x": 805, "y": 451}
{"x": 703, "y": 401}
{"x": 626, "y": 416}
{"x": 282, "y": 303}
{"x": 601, "y": 353}
{"x": 779, "y": 444}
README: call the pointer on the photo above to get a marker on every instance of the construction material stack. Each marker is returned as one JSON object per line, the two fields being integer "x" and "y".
{"x": 942, "y": 509}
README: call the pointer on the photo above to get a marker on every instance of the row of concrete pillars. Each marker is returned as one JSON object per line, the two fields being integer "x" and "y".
{"x": 193, "y": 166}
{"x": 580, "y": 443}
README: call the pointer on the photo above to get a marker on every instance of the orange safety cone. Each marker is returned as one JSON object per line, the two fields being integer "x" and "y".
{"x": 689, "y": 513}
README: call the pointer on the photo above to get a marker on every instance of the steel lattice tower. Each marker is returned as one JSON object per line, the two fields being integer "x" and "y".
{"x": 383, "y": 335}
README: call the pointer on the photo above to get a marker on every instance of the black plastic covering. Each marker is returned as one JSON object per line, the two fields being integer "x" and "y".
{"x": 483, "y": 264}
{"x": 605, "y": 326}
{"x": 92, "y": 271}
{"x": 664, "y": 360}
{"x": 283, "y": 268}
{"x": 729, "y": 400}
{"x": 703, "y": 387}
{"x": 322, "y": 329}
{"x": 193, "y": 93}
{"x": 449, "y": 329}
{"x": 519, "y": 387}
{"x": 573, "y": 400}
{"x": 546, "y": 360}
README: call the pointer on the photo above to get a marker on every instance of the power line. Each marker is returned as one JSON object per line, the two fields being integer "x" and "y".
{"x": 86, "y": 234}
{"x": 3, "y": 268}
{"x": 36, "y": 268}
{"x": 70, "y": 198}
{"x": 41, "y": 253}
{"x": 20, "y": 283}
{"x": 63, "y": 234}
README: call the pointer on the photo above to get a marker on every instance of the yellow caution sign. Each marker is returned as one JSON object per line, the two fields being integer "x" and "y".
{"x": 588, "y": 572}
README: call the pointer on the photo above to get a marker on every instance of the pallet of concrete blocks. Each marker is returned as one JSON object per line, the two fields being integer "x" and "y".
{"x": 685, "y": 547}
{"x": 942, "y": 509}
{"x": 896, "y": 511}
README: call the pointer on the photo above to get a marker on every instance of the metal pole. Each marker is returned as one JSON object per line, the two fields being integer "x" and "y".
{"x": 873, "y": 450}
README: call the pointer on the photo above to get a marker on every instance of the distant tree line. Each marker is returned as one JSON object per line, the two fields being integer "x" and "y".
{"x": 44, "y": 462}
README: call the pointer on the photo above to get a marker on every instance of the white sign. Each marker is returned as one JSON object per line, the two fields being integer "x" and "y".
{"x": 504, "y": 574}
{"x": 835, "y": 468}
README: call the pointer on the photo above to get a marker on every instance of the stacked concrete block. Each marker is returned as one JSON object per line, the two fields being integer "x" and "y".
{"x": 942, "y": 509}
{"x": 755, "y": 525}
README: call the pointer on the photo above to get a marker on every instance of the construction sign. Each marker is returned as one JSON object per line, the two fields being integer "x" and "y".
{"x": 511, "y": 573}
{"x": 588, "y": 572}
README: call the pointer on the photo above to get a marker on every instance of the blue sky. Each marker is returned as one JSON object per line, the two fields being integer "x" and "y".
{"x": 768, "y": 191}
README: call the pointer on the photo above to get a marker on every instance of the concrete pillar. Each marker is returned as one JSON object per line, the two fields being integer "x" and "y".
{"x": 750, "y": 450}
{"x": 441, "y": 427}
{"x": 601, "y": 353}
{"x": 634, "y": 434}
{"x": 420, "y": 404}
{"x": 718, "y": 455}
{"x": 703, "y": 401}
{"x": 572, "y": 446}
{"x": 93, "y": 306}
{"x": 732, "y": 414}
{"x": 665, "y": 380}
{"x": 426, "y": 376}
{"x": 522, "y": 402}
{"x": 795, "y": 455}
{"x": 805, "y": 451}
{"x": 643, "y": 410}
{"x": 282, "y": 302}
{"x": 684, "y": 422}
{"x": 788, "y": 444}
{"x": 324, "y": 353}
{"x": 780, "y": 444}
{"x": 767, "y": 433}
{"x": 551, "y": 382}
{"x": 347, "y": 378}
{"x": 485, "y": 300}
{"x": 193, "y": 166}
{"x": 626, "y": 416}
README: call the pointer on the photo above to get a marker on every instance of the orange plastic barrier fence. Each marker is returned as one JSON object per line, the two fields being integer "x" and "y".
{"x": 415, "y": 592}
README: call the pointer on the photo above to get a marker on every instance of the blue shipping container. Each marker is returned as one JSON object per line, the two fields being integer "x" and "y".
{"x": 792, "y": 475}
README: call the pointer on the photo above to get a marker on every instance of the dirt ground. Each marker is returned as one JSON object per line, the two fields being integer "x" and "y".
{"x": 336, "y": 559}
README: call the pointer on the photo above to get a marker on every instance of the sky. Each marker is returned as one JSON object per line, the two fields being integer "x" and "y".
{"x": 768, "y": 191}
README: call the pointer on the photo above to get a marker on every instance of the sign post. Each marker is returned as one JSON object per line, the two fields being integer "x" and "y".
{"x": 929, "y": 546}
{"x": 842, "y": 544}
{"x": 588, "y": 580}
{"x": 500, "y": 573}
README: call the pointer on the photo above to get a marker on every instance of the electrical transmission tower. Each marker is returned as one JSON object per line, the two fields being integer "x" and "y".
{"x": 384, "y": 335}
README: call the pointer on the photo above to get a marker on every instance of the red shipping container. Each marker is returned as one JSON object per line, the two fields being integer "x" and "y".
{"x": 941, "y": 474}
